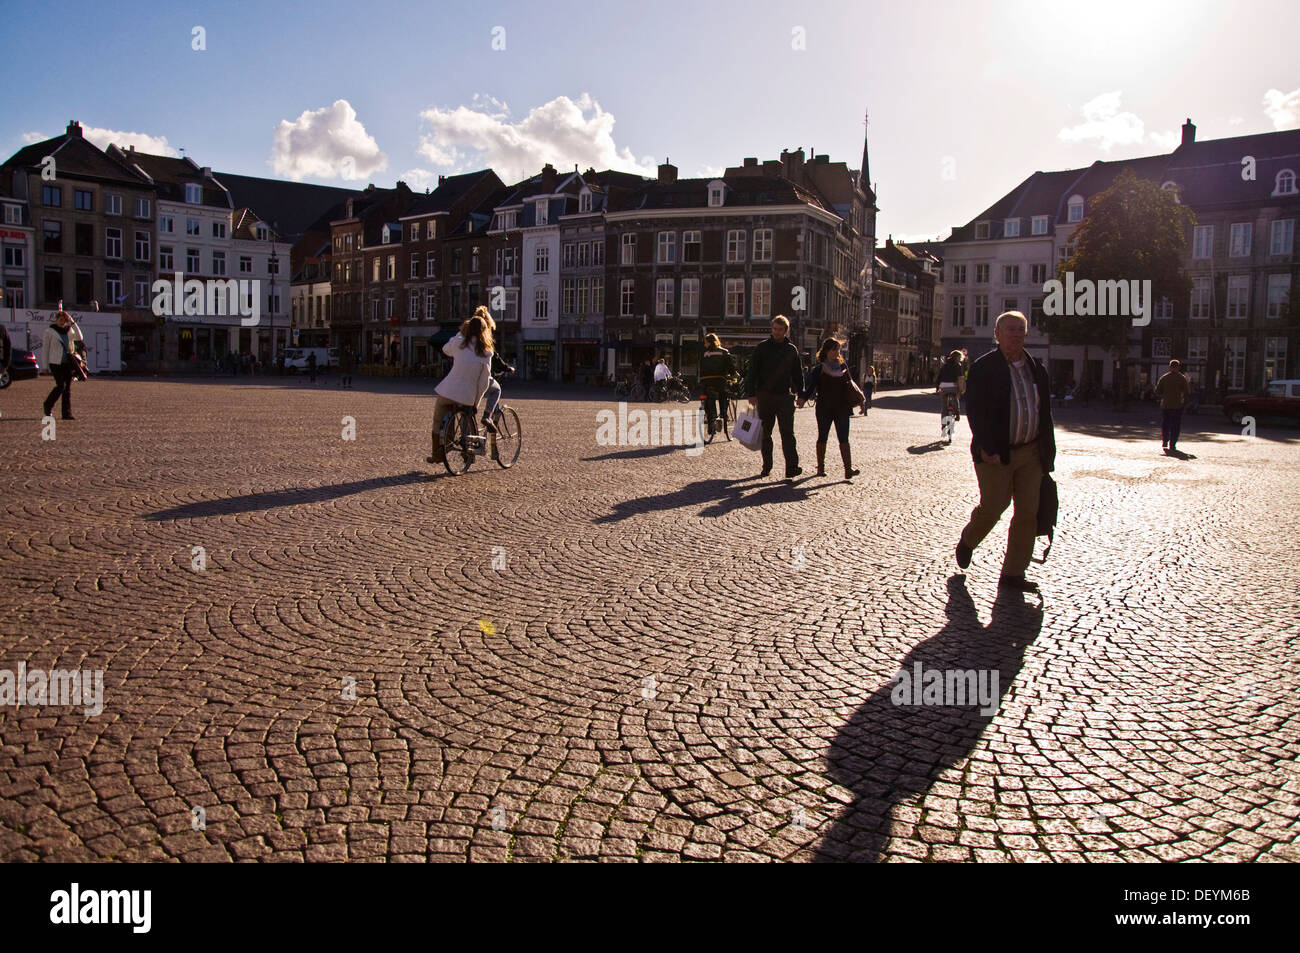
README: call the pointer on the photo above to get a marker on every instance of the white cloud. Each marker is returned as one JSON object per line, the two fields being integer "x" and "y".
{"x": 153, "y": 145}
{"x": 327, "y": 143}
{"x": 31, "y": 137}
{"x": 419, "y": 179}
{"x": 710, "y": 172}
{"x": 563, "y": 132}
{"x": 1235, "y": 120}
{"x": 1283, "y": 108}
{"x": 1105, "y": 125}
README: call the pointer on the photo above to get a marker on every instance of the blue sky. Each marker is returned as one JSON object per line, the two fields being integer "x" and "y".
{"x": 965, "y": 98}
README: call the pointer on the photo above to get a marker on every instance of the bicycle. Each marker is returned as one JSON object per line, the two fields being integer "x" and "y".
{"x": 461, "y": 441}
{"x": 727, "y": 409}
{"x": 951, "y": 413}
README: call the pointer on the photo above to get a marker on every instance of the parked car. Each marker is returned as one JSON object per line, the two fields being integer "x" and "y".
{"x": 1279, "y": 399}
{"x": 23, "y": 365}
{"x": 295, "y": 358}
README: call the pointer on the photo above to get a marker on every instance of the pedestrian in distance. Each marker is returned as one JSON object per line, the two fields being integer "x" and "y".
{"x": 347, "y": 360}
{"x": 311, "y": 365}
{"x": 868, "y": 388}
{"x": 830, "y": 382}
{"x": 1012, "y": 444}
{"x": 773, "y": 377}
{"x": 1174, "y": 392}
{"x": 59, "y": 342}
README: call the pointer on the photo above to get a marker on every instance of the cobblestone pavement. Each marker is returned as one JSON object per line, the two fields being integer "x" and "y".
{"x": 660, "y": 671}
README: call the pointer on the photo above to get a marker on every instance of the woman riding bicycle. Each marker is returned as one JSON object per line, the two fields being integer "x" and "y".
{"x": 716, "y": 368}
{"x": 499, "y": 366}
{"x": 471, "y": 353}
{"x": 950, "y": 385}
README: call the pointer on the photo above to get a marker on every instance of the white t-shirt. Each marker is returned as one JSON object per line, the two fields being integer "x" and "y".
{"x": 661, "y": 372}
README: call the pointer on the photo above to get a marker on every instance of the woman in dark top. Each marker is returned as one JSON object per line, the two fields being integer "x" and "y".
{"x": 829, "y": 381}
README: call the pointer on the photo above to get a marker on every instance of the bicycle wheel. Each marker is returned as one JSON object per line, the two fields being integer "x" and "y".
{"x": 509, "y": 439}
{"x": 457, "y": 445}
{"x": 706, "y": 425}
{"x": 728, "y": 410}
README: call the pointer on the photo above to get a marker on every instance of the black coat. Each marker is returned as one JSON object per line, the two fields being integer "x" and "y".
{"x": 774, "y": 370}
{"x": 988, "y": 409}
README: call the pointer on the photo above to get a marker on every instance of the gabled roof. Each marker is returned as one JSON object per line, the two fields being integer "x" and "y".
{"x": 742, "y": 191}
{"x": 75, "y": 157}
{"x": 290, "y": 207}
{"x": 449, "y": 191}
{"x": 170, "y": 176}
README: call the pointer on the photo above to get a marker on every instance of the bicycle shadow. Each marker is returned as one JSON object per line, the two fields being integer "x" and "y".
{"x": 927, "y": 447}
{"x": 638, "y": 453}
{"x": 889, "y": 754}
{"x": 271, "y": 499}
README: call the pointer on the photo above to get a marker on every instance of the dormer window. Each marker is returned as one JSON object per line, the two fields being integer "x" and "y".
{"x": 981, "y": 229}
{"x": 584, "y": 201}
{"x": 261, "y": 233}
{"x": 1075, "y": 208}
{"x": 717, "y": 193}
{"x": 1284, "y": 184}
{"x": 1011, "y": 228}
{"x": 1172, "y": 186}
{"x": 1039, "y": 225}
{"x": 193, "y": 193}
{"x": 541, "y": 212}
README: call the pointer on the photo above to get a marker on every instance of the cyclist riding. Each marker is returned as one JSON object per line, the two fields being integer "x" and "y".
{"x": 471, "y": 354}
{"x": 493, "y": 395}
{"x": 950, "y": 385}
{"x": 717, "y": 368}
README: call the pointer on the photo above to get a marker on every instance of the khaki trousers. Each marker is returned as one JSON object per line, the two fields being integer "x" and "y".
{"x": 1000, "y": 484}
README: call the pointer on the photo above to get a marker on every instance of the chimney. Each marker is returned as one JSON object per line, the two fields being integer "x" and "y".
{"x": 1189, "y": 132}
{"x": 74, "y": 129}
{"x": 442, "y": 179}
{"x": 206, "y": 171}
{"x": 751, "y": 162}
{"x": 792, "y": 163}
{"x": 548, "y": 178}
{"x": 667, "y": 172}
{"x": 131, "y": 148}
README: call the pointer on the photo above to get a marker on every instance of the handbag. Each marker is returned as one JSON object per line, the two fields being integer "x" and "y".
{"x": 749, "y": 430}
{"x": 1048, "y": 506}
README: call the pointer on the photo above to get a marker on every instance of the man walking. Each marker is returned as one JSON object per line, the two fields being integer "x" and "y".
{"x": 1009, "y": 409}
{"x": 774, "y": 376}
{"x": 1173, "y": 391}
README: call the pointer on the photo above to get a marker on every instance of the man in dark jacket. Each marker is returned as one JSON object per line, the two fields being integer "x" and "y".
{"x": 1009, "y": 409}
{"x": 774, "y": 376}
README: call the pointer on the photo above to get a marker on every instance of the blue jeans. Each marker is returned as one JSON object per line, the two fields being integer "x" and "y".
{"x": 490, "y": 399}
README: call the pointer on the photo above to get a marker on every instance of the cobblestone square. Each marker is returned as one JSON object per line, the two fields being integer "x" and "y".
{"x": 623, "y": 653}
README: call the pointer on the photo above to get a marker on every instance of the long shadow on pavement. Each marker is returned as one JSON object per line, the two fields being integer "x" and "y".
{"x": 722, "y": 495}
{"x": 296, "y": 496}
{"x": 889, "y": 753}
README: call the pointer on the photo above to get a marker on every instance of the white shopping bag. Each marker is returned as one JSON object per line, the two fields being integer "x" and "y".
{"x": 749, "y": 430}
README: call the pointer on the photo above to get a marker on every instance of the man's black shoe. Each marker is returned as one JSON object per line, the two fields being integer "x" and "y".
{"x": 1019, "y": 583}
{"x": 791, "y": 474}
{"x": 68, "y": 417}
{"x": 766, "y": 471}
{"x": 963, "y": 554}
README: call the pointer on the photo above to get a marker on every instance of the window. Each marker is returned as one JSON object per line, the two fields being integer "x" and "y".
{"x": 1010, "y": 304}
{"x": 113, "y": 288}
{"x": 1164, "y": 309}
{"x": 629, "y": 249}
{"x": 390, "y": 268}
{"x": 112, "y": 204}
{"x": 981, "y": 311}
{"x": 598, "y": 295}
{"x": 1198, "y": 348}
{"x": 1239, "y": 240}
{"x": 583, "y": 254}
{"x": 166, "y": 258}
{"x": 84, "y": 287}
{"x": 667, "y": 247}
{"x": 1011, "y": 274}
{"x": 981, "y": 229}
{"x": 192, "y": 261}
{"x": 415, "y": 266}
{"x": 690, "y": 297}
{"x": 568, "y": 296}
{"x": 273, "y": 264}
{"x": 141, "y": 292}
{"x": 413, "y": 305}
{"x": 52, "y": 236}
{"x": 1035, "y": 312}
{"x": 142, "y": 208}
{"x": 597, "y": 254}
{"x": 1238, "y": 295}
{"x": 262, "y": 235}
{"x": 583, "y": 303}
{"x": 113, "y": 243}
{"x": 1279, "y": 287}
{"x": 1284, "y": 183}
{"x": 959, "y": 311}
{"x": 1039, "y": 226}
{"x": 14, "y": 257}
{"x": 735, "y": 297}
{"x": 1038, "y": 275}
{"x": 1011, "y": 228}
{"x": 1282, "y": 237}
{"x": 1162, "y": 348}
{"x": 1275, "y": 359}
{"x": 1075, "y": 208}
{"x": 541, "y": 303}
{"x": 475, "y": 260}
{"x": 143, "y": 253}
{"x": 374, "y": 268}
{"x": 627, "y": 298}
{"x": 166, "y": 223}
{"x": 715, "y": 196}
{"x": 761, "y": 297}
{"x": 245, "y": 264}
{"x": 389, "y": 302}
{"x": 664, "y": 297}
{"x": 83, "y": 200}
{"x": 959, "y": 274}
{"x": 431, "y": 304}
{"x": 1234, "y": 362}
{"x": 1202, "y": 241}
{"x": 542, "y": 260}
{"x": 542, "y": 209}
{"x": 83, "y": 238}
{"x": 16, "y": 292}
{"x": 736, "y": 245}
{"x": 191, "y": 226}
{"x": 218, "y": 229}
{"x": 52, "y": 195}
{"x": 568, "y": 255}
{"x": 193, "y": 193}
{"x": 53, "y": 284}
{"x": 1200, "y": 307}
{"x": 13, "y": 214}
{"x": 219, "y": 263}
{"x": 981, "y": 274}
{"x": 762, "y": 244}
{"x": 690, "y": 247}
{"x": 415, "y": 235}
{"x": 584, "y": 201}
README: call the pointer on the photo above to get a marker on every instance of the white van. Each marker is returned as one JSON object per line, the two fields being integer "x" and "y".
{"x": 295, "y": 358}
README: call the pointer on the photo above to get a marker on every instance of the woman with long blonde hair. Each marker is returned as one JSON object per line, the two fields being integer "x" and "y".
{"x": 471, "y": 369}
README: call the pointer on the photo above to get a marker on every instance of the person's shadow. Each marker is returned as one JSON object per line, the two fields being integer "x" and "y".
{"x": 889, "y": 753}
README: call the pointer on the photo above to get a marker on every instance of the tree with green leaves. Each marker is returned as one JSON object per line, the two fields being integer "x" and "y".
{"x": 1134, "y": 231}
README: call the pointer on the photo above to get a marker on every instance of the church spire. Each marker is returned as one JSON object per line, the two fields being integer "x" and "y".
{"x": 864, "y": 177}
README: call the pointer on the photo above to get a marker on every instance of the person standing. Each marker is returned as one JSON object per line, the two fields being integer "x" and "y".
{"x": 773, "y": 377}
{"x": 345, "y": 366}
{"x": 830, "y": 383}
{"x": 1013, "y": 445}
{"x": 1174, "y": 392}
{"x": 868, "y": 388}
{"x": 60, "y": 339}
{"x": 311, "y": 365}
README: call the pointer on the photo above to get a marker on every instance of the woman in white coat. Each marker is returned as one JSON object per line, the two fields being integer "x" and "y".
{"x": 466, "y": 382}
{"x": 57, "y": 345}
